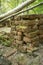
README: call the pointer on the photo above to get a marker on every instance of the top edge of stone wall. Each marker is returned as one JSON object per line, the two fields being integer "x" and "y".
{"x": 29, "y": 17}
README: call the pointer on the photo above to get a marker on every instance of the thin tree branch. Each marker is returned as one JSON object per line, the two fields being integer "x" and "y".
{"x": 22, "y": 11}
{"x": 18, "y": 8}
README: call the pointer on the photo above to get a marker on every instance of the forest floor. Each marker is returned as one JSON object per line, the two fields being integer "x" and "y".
{"x": 18, "y": 58}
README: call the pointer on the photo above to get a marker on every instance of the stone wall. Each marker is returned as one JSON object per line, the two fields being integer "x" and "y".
{"x": 28, "y": 31}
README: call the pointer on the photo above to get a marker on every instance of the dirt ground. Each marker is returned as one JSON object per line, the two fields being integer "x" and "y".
{"x": 18, "y": 58}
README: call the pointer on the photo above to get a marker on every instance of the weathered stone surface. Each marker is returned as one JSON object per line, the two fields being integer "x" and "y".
{"x": 34, "y": 27}
{"x": 24, "y": 59}
{"x": 41, "y": 36}
{"x": 40, "y": 21}
{"x": 17, "y": 37}
{"x": 41, "y": 41}
{"x": 26, "y": 39}
{"x": 22, "y": 48}
{"x": 18, "y": 22}
{"x": 35, "y": 39}
{"x": 24, "y": 22}
{"x": 21, "y": 28}
{"x": 4, "y": 61}
{"x": 41, "y": 27}
{"x": 41, "y": 32}
{"x": 32, "y": 34}
{"x": 29, "y": 22}
{"x": 19, "y": 42}
{"x": 20, "y": 33}
{"x": 14, "y": 32}
{"x": 35, "y": 43}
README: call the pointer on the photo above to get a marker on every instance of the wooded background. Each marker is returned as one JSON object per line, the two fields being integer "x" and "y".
{"x": 6, "y": 5}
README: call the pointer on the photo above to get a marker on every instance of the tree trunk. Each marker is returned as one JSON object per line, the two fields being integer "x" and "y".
{"x": 18, "y": 8}
{"x": 21, "y": 11}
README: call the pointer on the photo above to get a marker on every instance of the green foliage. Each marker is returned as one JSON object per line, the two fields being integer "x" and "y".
{"x": 7, "y": 5}
{"x": 38, "y": 10}
{"x": 6, "y": 40}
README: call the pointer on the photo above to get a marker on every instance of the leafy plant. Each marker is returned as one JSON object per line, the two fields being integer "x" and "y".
{"x": 6, "y": 41}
